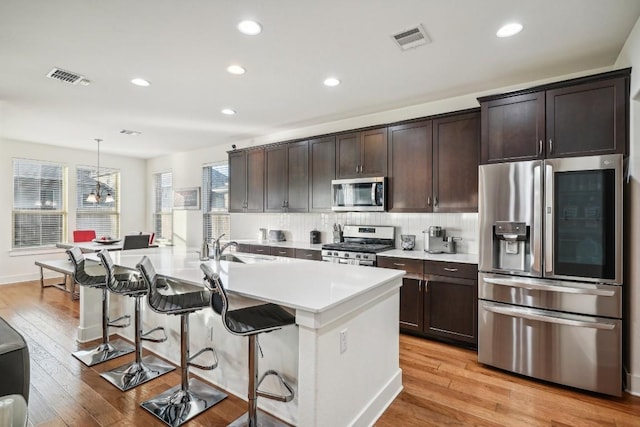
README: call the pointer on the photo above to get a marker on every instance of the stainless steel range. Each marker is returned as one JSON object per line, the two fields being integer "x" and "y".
{"x": 361, "y": 243}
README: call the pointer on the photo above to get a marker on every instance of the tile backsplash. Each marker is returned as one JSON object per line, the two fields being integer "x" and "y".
{"x": 297, "y": 226}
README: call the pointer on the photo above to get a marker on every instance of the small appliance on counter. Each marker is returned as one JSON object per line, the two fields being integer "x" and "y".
{"x": 262, "y": 234}
{"x": 436, "y": 241}
{"x": 337, "y": 233}
{"x": 408, "y": 241}
{"x": 276, "y": 236}
{"x": 314, "y": 237}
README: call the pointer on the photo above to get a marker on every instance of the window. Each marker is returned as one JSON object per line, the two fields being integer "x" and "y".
{"x": 163, "y": 212}
{"x": 39, "y": 205}
{"x": 102, "y": 217}
{"x": 215, "y": 200}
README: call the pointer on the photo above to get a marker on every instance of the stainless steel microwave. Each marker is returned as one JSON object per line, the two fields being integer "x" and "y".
{"x": 359, "y": 194}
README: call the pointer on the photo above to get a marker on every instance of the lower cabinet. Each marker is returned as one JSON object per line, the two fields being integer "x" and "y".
{"x": 438, "y": 299}
{"x": 254, "y": 249}
{"x": 285, "y": 252}
{"x": 311, "y": 254}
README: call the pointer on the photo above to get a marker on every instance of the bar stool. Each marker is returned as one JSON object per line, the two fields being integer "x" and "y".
{"x": 107, "y": 350}
{"x": 183, "y": 402}
{"x": 128, "y": 282}
{"x": 251, "y": 321}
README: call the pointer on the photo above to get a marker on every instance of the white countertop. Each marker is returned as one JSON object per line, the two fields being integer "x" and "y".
{"x": 425, "y": 256}
{"x": 395, "y": 253}
{"x": 310, "y": 286}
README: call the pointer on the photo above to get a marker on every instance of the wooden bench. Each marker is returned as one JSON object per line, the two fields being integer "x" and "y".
{"x": 63, "y": 266}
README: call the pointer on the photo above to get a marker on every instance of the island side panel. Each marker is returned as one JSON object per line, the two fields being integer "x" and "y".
{"x": 354, "y": 387}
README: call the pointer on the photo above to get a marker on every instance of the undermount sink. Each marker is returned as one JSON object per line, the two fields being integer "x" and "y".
{"x": 231, "y": 258}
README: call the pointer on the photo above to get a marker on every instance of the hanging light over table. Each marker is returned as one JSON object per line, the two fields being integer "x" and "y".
{"x": 96, "y": 195}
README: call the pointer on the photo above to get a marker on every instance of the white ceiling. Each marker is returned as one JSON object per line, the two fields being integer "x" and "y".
{"x": 183, "y": 49}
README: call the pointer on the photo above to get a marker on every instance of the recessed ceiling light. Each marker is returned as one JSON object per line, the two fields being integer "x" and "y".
{"x": 228, "y": 111}
{"x": 130, "y": 132}
{"x": 236, "y": 69}
{"x": 140, "y": 82}
{"x": 509, "y": 30}
{"x": 331, "y": 81}
{"x": 250, "y": 28}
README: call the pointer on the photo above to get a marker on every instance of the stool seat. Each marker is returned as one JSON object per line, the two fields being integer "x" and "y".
{"x": 129, "y": 283}
{"x": 251, "y": 321}
{"x": 259, "y": 318}
{"x": 108, "y": 349}
{"x": 183, "y": 402}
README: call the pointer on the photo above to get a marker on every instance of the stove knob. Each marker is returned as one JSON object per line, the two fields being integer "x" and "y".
{"x": 346, "y": 255}
{"x": 359, "y": 256}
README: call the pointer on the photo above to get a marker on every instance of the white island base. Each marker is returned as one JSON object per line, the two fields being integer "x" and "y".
{"x": 341, "y": 357}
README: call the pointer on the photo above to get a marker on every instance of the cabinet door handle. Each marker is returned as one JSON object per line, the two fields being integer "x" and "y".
{"x": 282, "y": 252}
{"x": 429, "y": 201}
{"x": 540, "y": 148}
{"x": 399, "y": 264}
{"x": 259, "y": 250}
{"x": 435, "y": 201}
{"x": 309, "y": 255}
{"x": 450, "y": 269}
{"x": 357, "y": 168}
{"x": 550, "y": 145}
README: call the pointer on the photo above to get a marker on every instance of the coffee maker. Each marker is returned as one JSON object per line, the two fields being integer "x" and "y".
{"x": 436, "y": 241}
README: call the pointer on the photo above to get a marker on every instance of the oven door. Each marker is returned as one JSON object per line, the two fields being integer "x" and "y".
{"x": 583, "y": 218}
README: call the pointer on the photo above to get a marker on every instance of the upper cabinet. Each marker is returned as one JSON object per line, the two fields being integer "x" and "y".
{"x": 361, "y": 154}
{"x": 246, "y": 180}
{"x": 581, "y": 117}
{"x": 322, "y": 169}
{"x": 286, "y": 177}
{"x": 433, "y": 165}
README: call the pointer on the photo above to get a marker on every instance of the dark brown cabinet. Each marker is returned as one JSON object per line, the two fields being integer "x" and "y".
{"x": 322, "y": 169}
{"x": 433, "y": 165}
{"x": 361, "y": 154}
{"x": 310, "y": 254}
{"x": 451, "y": 301}
{"x": 411, "y": 294}
{"x": 246, "y": 180}
{"x": 437, "y": 299}
{"x": 286, "y": 177}
{"x": 581, "y": 117}
{"x": 456, "y": 155}
{"x": 254, "y": 249}
{"x": 285, "y": 252}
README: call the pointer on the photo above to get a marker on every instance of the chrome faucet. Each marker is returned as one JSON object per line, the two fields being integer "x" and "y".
{"x": 217, "y": 250}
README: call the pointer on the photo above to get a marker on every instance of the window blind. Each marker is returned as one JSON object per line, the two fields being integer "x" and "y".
{"x": 102, "y": 217}
{"x": 39, "y": 205}
{"x": 215, "y": 200}
{"x": 163, "y": 211}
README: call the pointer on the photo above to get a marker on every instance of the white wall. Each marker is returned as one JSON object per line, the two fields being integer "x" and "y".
{"x": 630, "y": 57}
{"x": 18, "y": 266}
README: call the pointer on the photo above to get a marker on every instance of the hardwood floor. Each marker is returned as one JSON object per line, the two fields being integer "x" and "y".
{"x": 443, "y": 385}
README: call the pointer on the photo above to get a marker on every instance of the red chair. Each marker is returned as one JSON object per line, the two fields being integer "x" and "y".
{"x": 83, "y": 235}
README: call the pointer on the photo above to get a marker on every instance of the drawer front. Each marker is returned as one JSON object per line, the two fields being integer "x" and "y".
{"x": 309, "y": 254}
{"x": 413, "y": 267}
{"x": 286, "y": 252}
{"x": 254, "y": 249}
{"x": 451, "y": 269}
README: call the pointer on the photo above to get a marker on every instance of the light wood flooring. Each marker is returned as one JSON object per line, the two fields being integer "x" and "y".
{"x": 443, "y": 384}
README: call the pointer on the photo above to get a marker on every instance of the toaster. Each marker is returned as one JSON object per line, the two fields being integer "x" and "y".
{"x": 276, "y": 236}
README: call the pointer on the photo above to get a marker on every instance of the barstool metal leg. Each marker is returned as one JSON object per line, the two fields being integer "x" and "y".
{"x": 142, "y": 369}
{"x": 181, "y": 403}
{"x": 254, "y": 417}
{"x": 107, "y": 350}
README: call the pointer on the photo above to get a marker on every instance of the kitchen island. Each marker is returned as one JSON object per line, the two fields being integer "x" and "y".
{"x": 341, "y": 356}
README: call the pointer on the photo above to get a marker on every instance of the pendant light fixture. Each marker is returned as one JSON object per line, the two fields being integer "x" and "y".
{"x": 96, "y": 195}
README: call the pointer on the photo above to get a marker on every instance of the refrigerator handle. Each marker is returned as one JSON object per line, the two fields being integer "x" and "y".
{"x": 548, "y": 222}
{"x": 536, "y": 232}
{"x": 531, "y": 315}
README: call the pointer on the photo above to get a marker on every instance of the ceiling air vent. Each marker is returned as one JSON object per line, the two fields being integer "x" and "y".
{"x": 411, "y": 37}
{"x": 68, "y": 77}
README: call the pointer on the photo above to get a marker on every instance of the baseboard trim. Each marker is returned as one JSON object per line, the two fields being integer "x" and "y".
{"x": 632, "y": 383}
{"x": 380, "y": 402}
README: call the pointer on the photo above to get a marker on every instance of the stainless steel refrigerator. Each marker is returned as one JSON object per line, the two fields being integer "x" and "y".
{"x": 550, "y": 270}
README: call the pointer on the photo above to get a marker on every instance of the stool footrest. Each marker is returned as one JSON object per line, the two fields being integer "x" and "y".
{"x": 114, "y": 323}
{"x": 205, "y": 367}
{"x": 145, "y": 336}
{"x": 281, "y": 398}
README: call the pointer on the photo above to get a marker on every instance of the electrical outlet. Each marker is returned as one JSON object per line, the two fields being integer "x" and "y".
{"x": 211, "y": 333}
{"x": 343, "y": 341}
